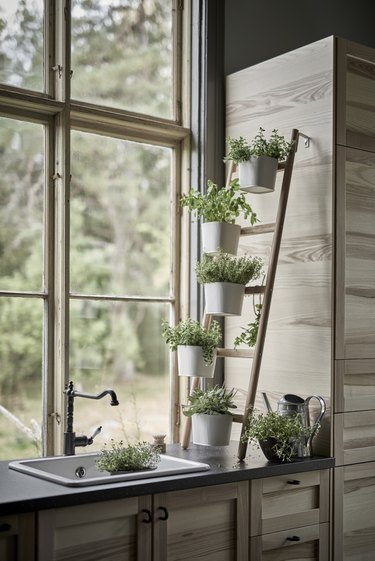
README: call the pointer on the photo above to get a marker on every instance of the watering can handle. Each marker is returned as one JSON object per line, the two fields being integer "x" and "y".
{"x": 322, "y": 407}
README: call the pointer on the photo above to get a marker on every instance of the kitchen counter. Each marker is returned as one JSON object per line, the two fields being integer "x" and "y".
{"x": 23, "y": 493}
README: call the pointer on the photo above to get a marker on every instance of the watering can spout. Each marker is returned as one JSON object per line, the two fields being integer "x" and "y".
{"x": 266, "y": 401}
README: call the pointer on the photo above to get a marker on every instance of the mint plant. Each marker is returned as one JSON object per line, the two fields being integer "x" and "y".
{"x": 191, "y": 332}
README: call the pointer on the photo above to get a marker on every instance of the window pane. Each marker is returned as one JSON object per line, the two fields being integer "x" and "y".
{"x": 119, "y": 345}
{"x": 21, "y": 322}
{"x": 21, "y": 43}
{"x": 120, "y": 217}
{"x": 21, "y": 205}
{"x": 122, "y": 54}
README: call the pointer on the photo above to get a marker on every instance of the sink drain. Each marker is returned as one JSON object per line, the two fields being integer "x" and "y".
{"x": 80, "y": 472}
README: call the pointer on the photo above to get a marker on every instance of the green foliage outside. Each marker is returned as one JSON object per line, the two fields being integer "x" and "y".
{"x": 228, "y": 268}
{"x": 117, "y": 190}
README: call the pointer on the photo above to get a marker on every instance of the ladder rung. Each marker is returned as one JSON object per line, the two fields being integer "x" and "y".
{"x": 235, "y": 353}
{"x": 258, "y": 229}
{"x": 281, "y": 165}
{"x": 237, "y": 418}
{"x": 258, "y": 289}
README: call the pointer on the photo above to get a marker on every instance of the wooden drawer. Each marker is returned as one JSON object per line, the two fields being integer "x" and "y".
{"x": 310, "y": 543}
{"x": 354, "y": 385}
{"x": 288, "y": 501}
{"x": 354, "y": 437}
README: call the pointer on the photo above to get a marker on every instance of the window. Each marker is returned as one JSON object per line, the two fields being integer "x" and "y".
{"x": 91, "y": 154}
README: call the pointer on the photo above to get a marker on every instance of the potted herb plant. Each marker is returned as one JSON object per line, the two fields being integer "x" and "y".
{"x": 211, "y": 416}
{"x": 219, "y": 207}
{"x": 224, "y": 278}
{"x": 195, "y": 346}
{"x": 257, "y": 161}
{"x": 277, "y": 435}
{"x": 133, "y": 457}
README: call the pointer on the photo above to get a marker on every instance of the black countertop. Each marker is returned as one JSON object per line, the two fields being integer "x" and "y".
{"x": 25, "y": 493}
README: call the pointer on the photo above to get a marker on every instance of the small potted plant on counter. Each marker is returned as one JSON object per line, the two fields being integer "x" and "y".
{"x": 211, "y": 416}
{"x": 133, "y": 457}
{"x": 224, "y": 278}
{"x": 219, "y": 207}
{"x": 195, "y": 346}
{"x": 277, "y": 435}
{"x": 257, "y": 161}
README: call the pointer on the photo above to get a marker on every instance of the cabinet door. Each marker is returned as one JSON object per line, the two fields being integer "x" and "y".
{"x": 354, "y": 513}
{"x": 310, "y": 543}
{"x": 17, "y": 537}
{"x": 109, "y": 531}
{"x": 355, "y": 254}
{"x": 207, "y": 524}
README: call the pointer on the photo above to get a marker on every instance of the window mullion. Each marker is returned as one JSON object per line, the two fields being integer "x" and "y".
{"x": 62, "y": 194}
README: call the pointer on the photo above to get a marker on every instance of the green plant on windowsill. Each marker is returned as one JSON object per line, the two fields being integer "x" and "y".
{"x": 239, "y": 150}
{"x": 228, "y": 268}
{"x": 216, "y": 400}
{"x": 191, "y": 332}
{"x": 133, "y": 457}
{"x": 250, "y": 333}
{"x": 219, "y": 204}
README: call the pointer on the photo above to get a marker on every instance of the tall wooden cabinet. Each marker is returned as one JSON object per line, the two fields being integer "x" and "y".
{"x": 321, "y": 334}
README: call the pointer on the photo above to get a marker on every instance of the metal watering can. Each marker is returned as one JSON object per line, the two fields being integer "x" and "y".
{"x": 291, "y": 404}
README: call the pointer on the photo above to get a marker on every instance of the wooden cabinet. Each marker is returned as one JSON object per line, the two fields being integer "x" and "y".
{"x": 289, "y": 517}
{"x": 210, "y": 523}
{"x": 207, "y": 523}
{"x": 354, "y": 512}
{"x": 109, "y": 531}
{"x": 321, "y": 330}
{"x": 17, "y": 537}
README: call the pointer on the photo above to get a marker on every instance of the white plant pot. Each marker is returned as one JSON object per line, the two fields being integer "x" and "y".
{"x": 258, "y": 175}
{"x": 191, "y": 362}
{"x": 220, "y": 235}
{"x": 211, "y": 430}
{"x": 224, "y": 298}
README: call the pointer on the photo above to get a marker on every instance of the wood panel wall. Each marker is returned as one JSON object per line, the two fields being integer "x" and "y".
{"x": 294, "y": 90}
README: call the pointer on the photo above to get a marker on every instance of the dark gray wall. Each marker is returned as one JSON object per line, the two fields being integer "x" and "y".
{"x": 257, "y": 30}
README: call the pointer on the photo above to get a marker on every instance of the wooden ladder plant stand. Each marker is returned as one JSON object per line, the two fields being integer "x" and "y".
{"x": 267, "y": 290}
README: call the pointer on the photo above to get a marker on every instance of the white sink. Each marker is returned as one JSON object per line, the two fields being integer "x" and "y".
{"x": 77, "y": 471}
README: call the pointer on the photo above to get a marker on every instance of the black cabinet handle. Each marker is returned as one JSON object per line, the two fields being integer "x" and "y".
{"x": 294, "y": 482}
{"x": 148, "y": 518}
{"x": 293, "y": 538}
{"x": 5, "y": 527}
{"x": 165, "y": 512}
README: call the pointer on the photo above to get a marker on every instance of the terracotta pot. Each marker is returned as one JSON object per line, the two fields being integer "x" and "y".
{"x": 220, "y": 235}
{"x": 258, "y": 175}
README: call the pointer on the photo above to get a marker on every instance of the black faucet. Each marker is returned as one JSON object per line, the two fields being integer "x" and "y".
{"x": 70, "y": 438}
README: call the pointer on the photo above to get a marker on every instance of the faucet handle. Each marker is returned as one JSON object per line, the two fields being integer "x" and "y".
{"x": 94, "y": 434}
